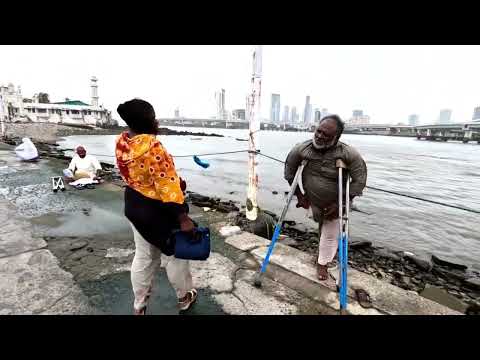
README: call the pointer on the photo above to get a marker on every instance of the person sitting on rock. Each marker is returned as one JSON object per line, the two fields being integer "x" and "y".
{"x": 83, "y": 166}
{"x": 320, "y": 181}
{"x": 27, "y": 151}
{"x": 154, "y": 205}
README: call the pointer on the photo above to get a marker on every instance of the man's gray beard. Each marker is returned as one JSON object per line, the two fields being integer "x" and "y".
{"x": 322, "y": 147}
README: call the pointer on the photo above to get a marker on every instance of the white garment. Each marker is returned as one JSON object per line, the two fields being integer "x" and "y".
{"x": 89, "y": 164}
{"x": 147, "y": 262}
{"x": 84, "y": 181}
{"x": 328, "y": 245}
{"x": 26, "y": 150}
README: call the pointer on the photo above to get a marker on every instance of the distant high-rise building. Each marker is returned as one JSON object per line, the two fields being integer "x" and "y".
{"x": 476, "y": 114}
{"x": 238, "y": 114}
{"x": 294, "y": 116}
{"x": 318, "y": 116}
{"x": 413, "y": 120}
{"x": 358, "y": 118}
{"x": 445, "y": 116}
{"x": 286, "y": 114}
{"x": 220, "y": 100}
{"x": 275, "y": 109}
{"x": 324, "y": 113}
{"x": 357, "y": 113}
{"x": 177, "y": 113}
{"x": 307, "y": 112}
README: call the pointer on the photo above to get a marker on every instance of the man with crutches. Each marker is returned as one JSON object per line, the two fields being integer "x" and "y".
{"x": 320, "y": 181}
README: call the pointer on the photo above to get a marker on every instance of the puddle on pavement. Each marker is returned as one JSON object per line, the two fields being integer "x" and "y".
{"x": 113, "y": 295}
{"x": 81, "y": 223}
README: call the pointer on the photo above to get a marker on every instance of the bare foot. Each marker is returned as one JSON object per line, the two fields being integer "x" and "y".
{"x": 322, "y": 272}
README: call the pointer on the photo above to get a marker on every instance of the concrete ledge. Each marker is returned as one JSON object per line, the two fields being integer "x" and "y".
{"x": 296, "y": 269}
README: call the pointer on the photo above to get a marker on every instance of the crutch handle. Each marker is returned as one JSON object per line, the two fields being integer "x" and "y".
{"x": 340, "y": 164}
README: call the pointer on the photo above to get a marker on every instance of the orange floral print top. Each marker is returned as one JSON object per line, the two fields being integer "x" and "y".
{"x": 147, "y": 167}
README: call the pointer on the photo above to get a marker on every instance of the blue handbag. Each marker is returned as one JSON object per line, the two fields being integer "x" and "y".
{"x": 192, "y": 247}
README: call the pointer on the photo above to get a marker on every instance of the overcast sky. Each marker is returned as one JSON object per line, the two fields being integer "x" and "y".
{"x": 386, "y": 82}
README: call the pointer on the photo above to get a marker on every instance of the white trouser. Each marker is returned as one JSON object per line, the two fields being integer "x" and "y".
{"x": 147, "y": 261}
{"x": 328, "y": 244}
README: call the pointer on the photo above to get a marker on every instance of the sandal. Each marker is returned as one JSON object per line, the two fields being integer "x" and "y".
{"x": 142, "y": 311}
{"x": 323, "y": 277}
{"x": 189, "y": 300}
{"x": 363, "y": 298}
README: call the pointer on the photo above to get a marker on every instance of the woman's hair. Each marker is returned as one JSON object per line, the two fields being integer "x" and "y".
{"x": 139, "y": 116}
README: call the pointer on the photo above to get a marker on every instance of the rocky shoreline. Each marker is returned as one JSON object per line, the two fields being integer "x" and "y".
{"x": 50, "y": 132}
{"x": 438, "y": 277}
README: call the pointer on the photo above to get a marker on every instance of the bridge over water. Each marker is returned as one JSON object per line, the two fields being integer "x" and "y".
{"x": 464, "y": 132}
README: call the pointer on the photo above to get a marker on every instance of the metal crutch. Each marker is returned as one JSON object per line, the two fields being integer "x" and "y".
{"x": 278, "y": 226}
{"x": 343, "y": 234}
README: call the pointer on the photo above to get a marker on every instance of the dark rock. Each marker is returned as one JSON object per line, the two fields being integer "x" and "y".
{"x": 276, "y": 192}
{"x": 286, "y": 192}
{"x": 398, "y": 274}
{"x": 198, "y": 198}
{"x": 232, "y": 192}
{"x": 451, "y": 275}
{"x": 416, "y": 281}
{"x": 360, "y": 244}
{"x": 288, "y": 222}
{"x": 387, "y": 254}
{"x": 472, "y": 283}
{"x": 78, "y": 245}
{"x": 448, "y": 264}
{"x": 263, "y": 226}
{"x": 473, "y": 309}
{"x": 420, "y": 263}
{"x": 226, "y": 207}
{"x": 90, "y": 249}
{"x": 430, "y": 278}
{"x": 300, "y": 228}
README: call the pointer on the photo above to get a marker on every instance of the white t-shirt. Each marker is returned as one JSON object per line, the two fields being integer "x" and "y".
{"x": 88, "y": 163}
{"x": 26, "y": 150}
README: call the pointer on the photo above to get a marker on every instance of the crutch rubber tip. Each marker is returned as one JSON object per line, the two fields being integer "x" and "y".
{"x": 258, "y": 281}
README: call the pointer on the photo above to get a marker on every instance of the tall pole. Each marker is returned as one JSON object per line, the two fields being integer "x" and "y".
{"x": 254, "y": 128}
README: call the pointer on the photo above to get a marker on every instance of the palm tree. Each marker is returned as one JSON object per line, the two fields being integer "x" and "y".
{"x": 43, "y": 98}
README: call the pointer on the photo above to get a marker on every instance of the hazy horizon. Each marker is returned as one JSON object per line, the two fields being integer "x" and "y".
{"x": 387, "y": 82}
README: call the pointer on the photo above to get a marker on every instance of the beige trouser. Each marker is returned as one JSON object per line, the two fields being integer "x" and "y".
{"x": 328, "y": 245}
{"x": 146, "y": 262}
{"x": 81, "y": 174}
{"x": 328, "y": 232}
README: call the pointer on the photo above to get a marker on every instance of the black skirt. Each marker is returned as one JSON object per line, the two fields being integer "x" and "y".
{"x": 154, "y": 219}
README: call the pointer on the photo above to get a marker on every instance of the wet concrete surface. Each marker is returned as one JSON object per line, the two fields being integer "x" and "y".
{"x": 90, "y": 239}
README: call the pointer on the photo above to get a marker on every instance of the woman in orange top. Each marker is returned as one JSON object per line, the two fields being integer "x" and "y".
{"x": 154, "y": 204}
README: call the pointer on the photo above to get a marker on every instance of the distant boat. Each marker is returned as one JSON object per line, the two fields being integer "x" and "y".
{"x": 241, "y": 139}
{"x": 198, "y": 138}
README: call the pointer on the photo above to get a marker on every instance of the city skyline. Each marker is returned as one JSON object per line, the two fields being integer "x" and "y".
{"x": 410, "y": 79}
